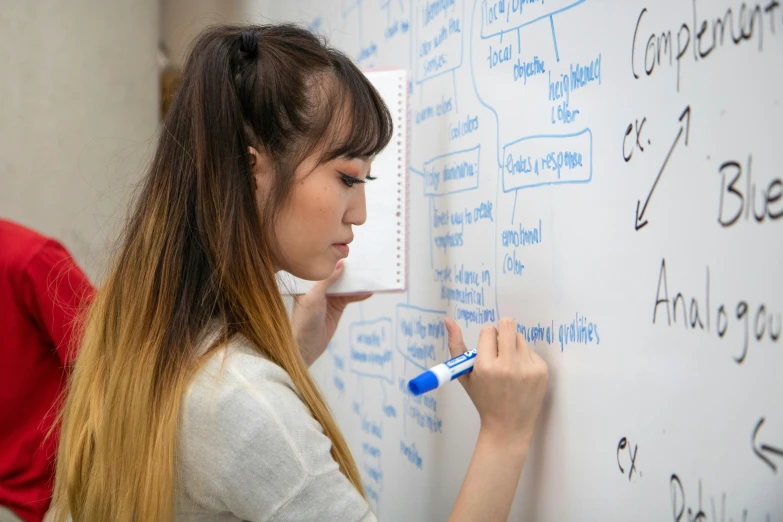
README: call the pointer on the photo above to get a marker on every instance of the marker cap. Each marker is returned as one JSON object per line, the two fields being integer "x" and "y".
{"x": 423, "y": 383}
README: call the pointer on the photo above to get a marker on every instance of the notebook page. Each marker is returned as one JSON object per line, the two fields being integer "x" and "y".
{"x": 377, "y": 259}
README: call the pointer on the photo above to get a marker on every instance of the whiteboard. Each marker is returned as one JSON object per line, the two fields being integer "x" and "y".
{"x": 606, "y": 173}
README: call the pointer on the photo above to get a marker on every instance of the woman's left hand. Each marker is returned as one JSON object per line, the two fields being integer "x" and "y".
{"x": 316, "y": 315}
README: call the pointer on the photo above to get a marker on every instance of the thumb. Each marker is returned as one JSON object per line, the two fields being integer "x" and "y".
{"x": 456, "y": 343}
{"x": 321, "y": 287}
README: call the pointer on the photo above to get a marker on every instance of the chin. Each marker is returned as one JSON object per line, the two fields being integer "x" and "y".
{"x": 317, "y": 270}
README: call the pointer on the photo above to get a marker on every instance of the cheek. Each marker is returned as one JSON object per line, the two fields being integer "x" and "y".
{"x": 314, "y": 216}
{"x": 318, "y": 210}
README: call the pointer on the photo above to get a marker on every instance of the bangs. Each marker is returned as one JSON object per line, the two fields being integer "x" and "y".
{"x": 358, "y": 123}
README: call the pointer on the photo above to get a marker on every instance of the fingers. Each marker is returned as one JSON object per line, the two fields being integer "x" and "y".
{"x": 456, "y": 343}
{"x": 355, "y": 298}
{"x": 536, "y": 358}
{"x": 339, "y": 302}
{"x": 523, "y": 349}
{"x": 321, "y": 287}
{"x": 487, "y": 345}
{"x": 457, "y": 346}
{"x": 336, "y": 273}
{"x": 507, "y": 337}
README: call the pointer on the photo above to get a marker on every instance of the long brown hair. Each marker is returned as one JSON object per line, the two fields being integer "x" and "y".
{"x": 196, "y": 249}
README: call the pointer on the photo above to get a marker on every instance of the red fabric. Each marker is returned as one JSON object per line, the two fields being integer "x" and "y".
{"x": 41, "y": 293}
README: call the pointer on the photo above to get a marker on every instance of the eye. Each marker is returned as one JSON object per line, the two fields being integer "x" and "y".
{"x": 350, "y": 181}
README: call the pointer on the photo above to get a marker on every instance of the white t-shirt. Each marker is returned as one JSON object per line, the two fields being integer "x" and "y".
{"x": 251, "y": 450}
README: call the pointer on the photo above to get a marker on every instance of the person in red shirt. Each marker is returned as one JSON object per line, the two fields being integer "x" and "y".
{"x": 42, "y": 294}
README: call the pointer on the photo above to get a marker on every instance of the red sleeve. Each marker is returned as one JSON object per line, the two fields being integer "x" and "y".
{"x": 56, "y": 294}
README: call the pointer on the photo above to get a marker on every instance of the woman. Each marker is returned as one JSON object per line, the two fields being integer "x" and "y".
{"x": 191, "y": 398}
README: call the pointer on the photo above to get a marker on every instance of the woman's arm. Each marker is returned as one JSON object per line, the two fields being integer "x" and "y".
{"x": 492, "y": 478}
{"x": 507, "y": 385}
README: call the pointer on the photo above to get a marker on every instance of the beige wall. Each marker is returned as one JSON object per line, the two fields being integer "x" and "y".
{"x": 182, "y": 20}
{"x": 78, "y": 111}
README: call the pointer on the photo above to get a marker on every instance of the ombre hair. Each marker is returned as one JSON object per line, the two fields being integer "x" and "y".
{"x": 197, "y": 250}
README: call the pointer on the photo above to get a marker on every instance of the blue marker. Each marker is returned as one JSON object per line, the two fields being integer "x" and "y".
{"x": 442, "y": 373}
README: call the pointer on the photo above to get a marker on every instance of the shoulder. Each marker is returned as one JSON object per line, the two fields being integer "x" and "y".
{"x": 38, "y": 267}
{"x": 247, "y": 440}
{"x": 20, "y": 244}
{"x": 32, "y": 253}
{"x": 241, "y": 379}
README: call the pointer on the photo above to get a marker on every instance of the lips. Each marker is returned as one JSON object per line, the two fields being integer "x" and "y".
{"x": 342, "y": 246}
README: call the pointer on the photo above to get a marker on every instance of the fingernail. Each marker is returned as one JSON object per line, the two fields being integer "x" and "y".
{"x": 339, "y": 265}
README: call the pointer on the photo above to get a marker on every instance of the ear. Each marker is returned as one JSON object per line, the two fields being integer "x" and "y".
{"x": 253, "y": 156}
{"x": 259, "y": 166}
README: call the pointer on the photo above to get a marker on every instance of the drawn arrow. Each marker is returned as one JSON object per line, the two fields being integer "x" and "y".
{"x": 764, "y": 448}
{"x": 686, "y": 114}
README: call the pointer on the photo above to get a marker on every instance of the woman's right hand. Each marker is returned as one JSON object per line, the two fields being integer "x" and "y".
{"x": 508, "y": 381}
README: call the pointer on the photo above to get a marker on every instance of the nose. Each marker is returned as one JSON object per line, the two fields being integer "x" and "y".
{"x": 356, "y": 213}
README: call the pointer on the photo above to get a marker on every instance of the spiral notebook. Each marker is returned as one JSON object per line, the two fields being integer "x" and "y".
{"x": 377, "y": 261}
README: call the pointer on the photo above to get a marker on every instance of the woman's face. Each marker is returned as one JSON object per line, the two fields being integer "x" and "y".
{"x": 314, "y": 226}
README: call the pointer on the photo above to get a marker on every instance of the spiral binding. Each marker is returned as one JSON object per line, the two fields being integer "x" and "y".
{"x": 402, "y": 111}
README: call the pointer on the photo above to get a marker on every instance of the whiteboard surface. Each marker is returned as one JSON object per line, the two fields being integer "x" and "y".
{"x": 554, "y": 119}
